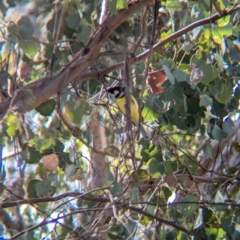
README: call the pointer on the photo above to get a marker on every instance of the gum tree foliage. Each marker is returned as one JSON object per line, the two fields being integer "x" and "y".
{"x": 67, "y": 172}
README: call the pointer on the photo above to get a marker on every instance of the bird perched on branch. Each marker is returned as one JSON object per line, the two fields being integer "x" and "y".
{"x": 119, "y": 94}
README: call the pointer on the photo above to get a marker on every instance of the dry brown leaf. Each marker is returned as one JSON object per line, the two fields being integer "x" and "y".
{"x": 50, "y": 161}
{"x": 155, "y": 80}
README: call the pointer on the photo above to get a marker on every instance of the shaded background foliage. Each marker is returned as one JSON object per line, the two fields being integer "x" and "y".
{"x": 66, "y": 173}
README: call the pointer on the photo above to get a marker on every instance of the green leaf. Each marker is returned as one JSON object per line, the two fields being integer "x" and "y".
{"x": 43, "y": 187}
{"x": 225, "y": 3}
{"x": 228, "y": 224}
{"x": 189, "y": 209}
{"x": 180, "y": 75}
{"x": 220, "y": 61}
{"x": 134, "y": 193}
{"x": 150, "y": 152}
{"x": 182, "y": 236}
{"x": 85, "y": 31}
{"x": 41, "y": 144}
{"x": 12, "y": 130}
{"x": 185, "y": 104}
{"x": 173, "y": 5}
{"x": 167, "y": 192}
{"x": 204, "y": 5}
{"x": 58, "y": 147}
{"x": 219, "y": 32}
{"x": 122, "y": 4}
{"x": 222, "y": 91}
{"x": 112, "y": 6}
{"x": 13, "y": 124}
{"x": 77, "y": 110}
{"x": 173, "y": 213}
{"x": 151, "y": 108}
{"x": 170, "y": 166}
{"x": 173, "y": 92}
{"x": 29, "y": 48}
{"x": 31, "y": 189}
{"x": 219, "y": 109}
{"x": 73, "y": 21}
{"x": 31, "y": 156}
{"x": 209, "y": 74}
{"x": 207, "y": 215}
{"x": 109, "y": 177}
{"x": 155, "y": 167}
{"x": 172, "y": 235}
{"x": 46, "y": 108}
{"x": 192, "y": 165}
{"x": 64, "y": 159}
{"x": 143, "y": 175}
{"x": 70, "y": 170}
{"x": 232, "y": 105}
{"x": 25, "y": 28}
{"x": 169, "y": 74}
{"x": 116, "y": 189}
{"x": 205, "y": 100}
{"x": 228, "y": 126}
{"x": 218, "y": 133}
{"x": 208, "y": 150}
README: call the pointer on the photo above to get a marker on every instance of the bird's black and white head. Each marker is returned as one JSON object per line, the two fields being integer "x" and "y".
{"x": 117, "y": 91}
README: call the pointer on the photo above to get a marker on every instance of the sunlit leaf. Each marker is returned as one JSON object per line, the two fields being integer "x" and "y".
{"x": 155, "y": 167}
{"x": 222, "y": 91}
{"x": 77, "y": 110}
{"x": 122, "y": 4}
{"x": 209, "y": 74}
{"x": 29, "y": 48}
{"x": 151, "y": 152}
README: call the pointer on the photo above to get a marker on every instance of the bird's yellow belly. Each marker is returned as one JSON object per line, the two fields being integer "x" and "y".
{"x": 133, "y": 106}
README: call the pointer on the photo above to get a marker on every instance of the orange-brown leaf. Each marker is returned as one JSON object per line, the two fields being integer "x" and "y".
{"x": 155, "y": 80}
{"x": 50, "y": 161}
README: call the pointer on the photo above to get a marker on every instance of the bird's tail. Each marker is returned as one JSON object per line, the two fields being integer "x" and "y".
{"x": 143, "y": 132}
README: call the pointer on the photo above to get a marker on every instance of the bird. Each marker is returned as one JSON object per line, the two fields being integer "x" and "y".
{"x": 119, "y": 94}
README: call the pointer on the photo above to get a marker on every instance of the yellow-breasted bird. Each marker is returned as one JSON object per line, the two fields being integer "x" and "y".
{"x": 119, "y": 94}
